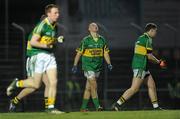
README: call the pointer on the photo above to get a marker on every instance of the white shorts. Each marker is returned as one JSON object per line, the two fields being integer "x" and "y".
{"x": 139, "y": 73}
{"x": 40, "y": 63}
{"x": 91, "y": 74}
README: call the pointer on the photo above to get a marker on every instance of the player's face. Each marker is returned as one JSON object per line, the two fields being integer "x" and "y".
{"x": 93, "y": 27}
{"x": 153, "y": 32}
{"x": 54, "y": 14}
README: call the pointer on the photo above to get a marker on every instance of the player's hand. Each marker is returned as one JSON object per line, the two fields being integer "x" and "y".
{"x": 110, "y": 67}
{"x": 60, "y": 39}
{"x": 163, "y": 64}
{"x": 74, "y": 69}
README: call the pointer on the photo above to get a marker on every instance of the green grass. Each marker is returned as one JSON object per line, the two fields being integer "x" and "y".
{"x": 173, "y": 114}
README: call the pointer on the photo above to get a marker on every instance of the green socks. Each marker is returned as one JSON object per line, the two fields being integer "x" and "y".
{"x": 84, "y": 103}
{"x": 96, "y": 102}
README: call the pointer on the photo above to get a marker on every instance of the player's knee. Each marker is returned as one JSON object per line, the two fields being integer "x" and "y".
{"x": 46, "y": 84}
{"x": 88, "y": 89}
{"x": 53, "y": 82}
{"x": 37, "y": 86}
{"x": 151, "y": 87}
{"x": 93, "y": 87}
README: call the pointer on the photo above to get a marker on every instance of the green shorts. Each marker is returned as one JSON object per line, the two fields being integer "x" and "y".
{"x": 140, "y": 73}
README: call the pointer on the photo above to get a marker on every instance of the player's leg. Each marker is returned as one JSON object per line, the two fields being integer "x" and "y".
{"x": 135, "y": 86}
{"x": 46, "y": 91}
{"x": 24, "y": 92}
{"x": 92, "y": 77}
{"x": 16, "y": 100}
{"x": 94, "y": 94}
{"x": 152, "y": 91}
{"x": 52, "y": 78}
{"x": 86, "y": 96}
{"x": 27, "y": 91}
{"x": 34, "y": 69}
{"x": 27, "y": 83}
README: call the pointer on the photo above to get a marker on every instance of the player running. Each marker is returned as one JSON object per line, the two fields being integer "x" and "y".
{"x": 41, "y": 58}
{"x": 92, "y": 49}
{"x": 142, "y": 53}
{"x": 27, "y": 91}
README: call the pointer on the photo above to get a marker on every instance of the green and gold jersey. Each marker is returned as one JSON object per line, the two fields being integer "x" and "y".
{"x": 142, "y": 47}
{"x": 47, "y": 33}
{"x": 92, "y": 53}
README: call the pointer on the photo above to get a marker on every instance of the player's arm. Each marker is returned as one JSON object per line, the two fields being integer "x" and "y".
{"x": 152, "y": 58}
{"x": 149, "y": 51}
{"x": 161, "y": 63}
{"x": 35, "y": 42}
{"x": 79, "y": 51}
{"x": 108, "y": 60}
{"x": 77, "y": 58}
{"x": 107, "y": 57}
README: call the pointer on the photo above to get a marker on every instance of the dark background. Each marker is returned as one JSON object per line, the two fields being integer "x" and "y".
{"x": 121, "y": 22}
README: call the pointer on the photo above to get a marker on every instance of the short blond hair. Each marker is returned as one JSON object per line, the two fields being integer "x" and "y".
{"x": 49, "y": 7}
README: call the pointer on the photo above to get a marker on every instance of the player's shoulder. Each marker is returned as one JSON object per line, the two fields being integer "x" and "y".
{"x": 39, "y": 26}
{"x": 86, "y": 38}
{"x": 41, "y": 23}
{"x": 143, "y": 38}
{"x": 102, "y": 37}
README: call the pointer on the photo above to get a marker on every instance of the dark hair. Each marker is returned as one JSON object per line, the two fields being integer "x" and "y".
{"x": 49, "y": 7}
{"x": 43, "y": 17}
{"x": 150, "y": 26}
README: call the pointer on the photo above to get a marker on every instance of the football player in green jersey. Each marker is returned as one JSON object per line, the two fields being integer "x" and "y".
{"x": 27, "y": 91}
{"x": 41, "y": 59}
{"x": 93, "y": 48}
{"x": 142, "y": 53}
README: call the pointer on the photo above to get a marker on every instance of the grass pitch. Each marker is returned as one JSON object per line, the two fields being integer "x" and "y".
{"x": 169, "y": 114}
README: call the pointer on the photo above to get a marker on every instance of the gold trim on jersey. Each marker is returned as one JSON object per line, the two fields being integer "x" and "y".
{"x": 140, "y": 50}
{"x": 149, "y": 48}
{"x": 95, "y": 52}
{"x": 29, "y": 45}
{"x": 47, "y": 40}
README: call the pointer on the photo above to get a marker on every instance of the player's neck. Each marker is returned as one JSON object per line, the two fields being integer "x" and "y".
{"x": 50, "y": 21}
{"x": 94, "y": 35}
{"x": 148, "y": 34}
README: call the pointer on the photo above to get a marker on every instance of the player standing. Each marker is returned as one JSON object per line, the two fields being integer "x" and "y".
{"x": 92, "y": 49}
{"x": 41, "y": 58}
{"x": 142, "y": 53}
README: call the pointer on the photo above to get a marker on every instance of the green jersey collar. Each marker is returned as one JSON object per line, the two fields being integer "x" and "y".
{"x": 147, "y": 35}
{"x": 150, "y": 39}
{"x": 48, "y": 22}
{"x": 98, "y": 36}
